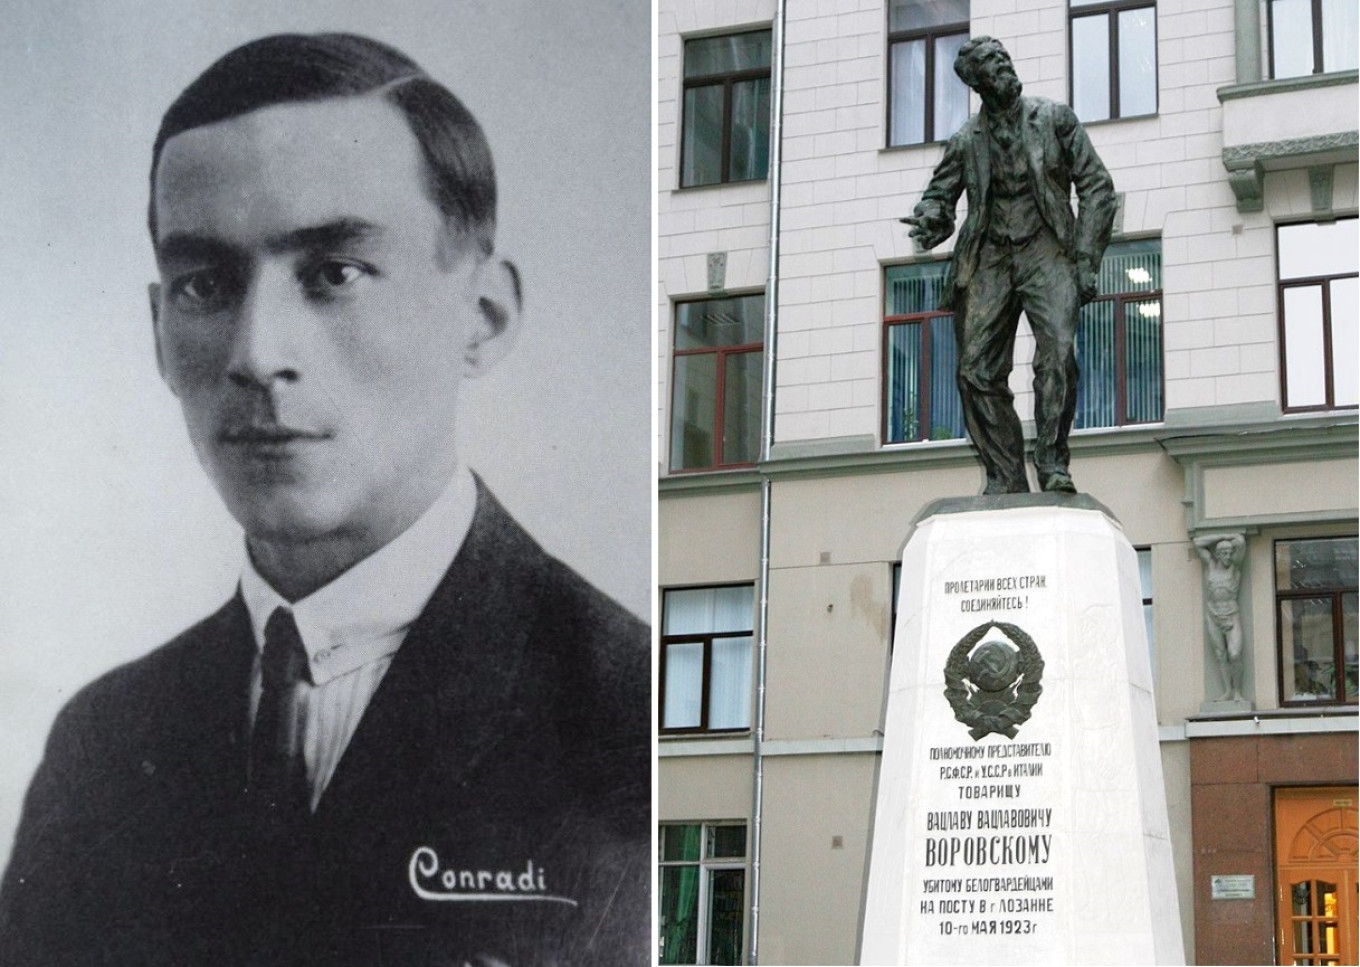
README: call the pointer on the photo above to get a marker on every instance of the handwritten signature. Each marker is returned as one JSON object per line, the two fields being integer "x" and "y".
{"x": 430, "y": 881}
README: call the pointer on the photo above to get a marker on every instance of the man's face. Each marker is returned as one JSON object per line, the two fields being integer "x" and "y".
{"x": 314, "y": 318}
{"x": 1223, "y": 553}
{"x": 994, "y": 76}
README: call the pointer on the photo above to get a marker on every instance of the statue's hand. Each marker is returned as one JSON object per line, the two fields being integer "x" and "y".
{"x": 1087, "y": 283}
{"x": 929, "y": 230}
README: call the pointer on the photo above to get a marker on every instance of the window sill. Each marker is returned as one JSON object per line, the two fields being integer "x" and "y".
{"x": 692, "y": 189}
{"x": 701, "y": 743}
{"x": 1104, "y": 121}
{"x": 1284, "y": 84}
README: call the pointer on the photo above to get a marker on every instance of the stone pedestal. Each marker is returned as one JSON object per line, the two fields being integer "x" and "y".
{"x": 1021, "y": 816}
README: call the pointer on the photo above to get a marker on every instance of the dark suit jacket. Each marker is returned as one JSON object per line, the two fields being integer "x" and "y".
{"x": 505, "y": 754}
{"x": 1060, "y": 157}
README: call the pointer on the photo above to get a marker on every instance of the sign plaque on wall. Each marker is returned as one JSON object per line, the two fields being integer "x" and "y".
{"x": 1237, "y": 886}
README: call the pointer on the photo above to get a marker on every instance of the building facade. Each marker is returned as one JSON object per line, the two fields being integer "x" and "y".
{"x": 808, "y": 413}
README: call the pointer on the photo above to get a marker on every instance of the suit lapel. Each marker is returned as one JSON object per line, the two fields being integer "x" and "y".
{"x": 449, "y": 688}
{"x": 984, "y": 160}
{"x": 207, "y": 733}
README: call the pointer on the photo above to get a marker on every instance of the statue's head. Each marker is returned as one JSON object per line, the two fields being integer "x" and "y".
{"x": 1223, "y": 552}
{"x": 985, "y": 66}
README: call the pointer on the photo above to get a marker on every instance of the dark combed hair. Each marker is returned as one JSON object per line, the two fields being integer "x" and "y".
{"x": 291, "y": 68}
{"x": 963, "y": 61}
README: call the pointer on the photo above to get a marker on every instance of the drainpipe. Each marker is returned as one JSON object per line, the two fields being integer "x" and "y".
{"x": 766, "y": 443}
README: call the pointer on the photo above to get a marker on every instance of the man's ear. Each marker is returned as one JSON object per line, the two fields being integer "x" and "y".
{"x": 497, "y": 317}
{"x": 153, "y": 292}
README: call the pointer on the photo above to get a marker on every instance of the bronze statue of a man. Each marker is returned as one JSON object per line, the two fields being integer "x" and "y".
{"x": 1020, "y": 249}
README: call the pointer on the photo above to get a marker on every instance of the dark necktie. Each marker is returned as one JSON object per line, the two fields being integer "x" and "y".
{"x": 278, "y": 771}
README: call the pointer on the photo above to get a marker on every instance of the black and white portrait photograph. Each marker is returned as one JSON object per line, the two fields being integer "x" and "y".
{"x": 326, "y": 483}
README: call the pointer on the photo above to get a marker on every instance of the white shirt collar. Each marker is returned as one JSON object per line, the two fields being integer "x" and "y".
{"x": 364, "y": 613}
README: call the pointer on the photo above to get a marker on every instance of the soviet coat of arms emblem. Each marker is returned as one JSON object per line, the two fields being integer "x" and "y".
{"x": 992, "y": 685}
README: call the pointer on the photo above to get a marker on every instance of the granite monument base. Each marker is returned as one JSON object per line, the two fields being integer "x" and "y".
{"x": 1021, "y": 816}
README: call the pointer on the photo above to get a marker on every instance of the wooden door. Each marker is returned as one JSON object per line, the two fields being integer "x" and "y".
{"x": 1316, "y": 858}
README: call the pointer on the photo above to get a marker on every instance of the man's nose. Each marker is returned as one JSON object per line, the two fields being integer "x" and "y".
{"x": 266, "y": 339}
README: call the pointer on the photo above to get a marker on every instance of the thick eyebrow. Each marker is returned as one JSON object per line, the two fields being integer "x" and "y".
{"x": 189, "y": 246}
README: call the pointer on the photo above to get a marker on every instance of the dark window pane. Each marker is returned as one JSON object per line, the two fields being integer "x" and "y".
{"x": 694, "y": 411}
{"x": 1328, "y": 563}
{"x": 726, "y": 55}
{"x": 750, "y": 146}
{"x": 1091, "y": 67}
{"x": 921, "y": 14}
{"x": 1306, "y": 638}
{"x": 1131, "y": 267}
{"x": 1137, "y": 62}
{"x": 1291, "y": 37}
{"x": 680, "y": 841}
{"x": 904, "y": 382}
{"x": 1097, "y": 360}
{"x": 679, "y": 914}
{"x": 741, "y": 408}
{"x": 1340, "y": 35}
{"x": 726, "y": 842}
{"x": 701, "y": 149}
{"x": 951, "y": 94}
{"x": 908, "y": 122}
{"x": 726, "y": 903}
{"x": 738, "y": 321}
{"x": 946, "y": 408}
{"x": 914, "y": 288}
{"x": 1143, "y": 361}
{"x": 1348, "y": 633}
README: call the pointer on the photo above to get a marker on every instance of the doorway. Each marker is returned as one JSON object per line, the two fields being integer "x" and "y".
{"x": 1316, "y": 859}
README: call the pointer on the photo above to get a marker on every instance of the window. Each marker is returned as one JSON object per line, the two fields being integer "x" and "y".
{"x": 920, "y": 355}
{"x": 726, "y": 109}
{"x": 1319, "y": 310}
{"x": 1114, "y": 59}
{"x": 716, "y": 384}
{"x": 706, "y": 639}
{"x": 1315, "y": 591}
{"x": 703, "y": 893}
{"x": 1119, "y": 340}
{"x": 926, "y": 99}
{"x": 1313, "y": 36}
{"x": 1145, "y": 586}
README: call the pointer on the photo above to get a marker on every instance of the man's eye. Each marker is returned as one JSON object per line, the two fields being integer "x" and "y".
{"x": 327, "y": 276}
{"x": 199, "y": 289}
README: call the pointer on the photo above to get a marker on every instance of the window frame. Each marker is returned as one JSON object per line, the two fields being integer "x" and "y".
{"x": 930, "y": 35}
{"x": 1315, "y": 8}
{"x": 1121, "y": 301}
{"x": 1111, "y": 9}
{"x": 923, "y": 320}
{"x": 706, "y": 639}
{"x": 1336, "y": 594}
{"x": 703, "y": 895}
{"x": 727, "y": 79}
{"x": 720, "y": 384}
{"x": 1281, "y": 325}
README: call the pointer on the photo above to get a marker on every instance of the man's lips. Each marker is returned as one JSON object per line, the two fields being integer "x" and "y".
{"x": 269, "y": 436}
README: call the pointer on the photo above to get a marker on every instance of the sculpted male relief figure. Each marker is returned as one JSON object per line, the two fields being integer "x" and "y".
{"x": 412, "y": 737}
{"x": 1020, "y": 249}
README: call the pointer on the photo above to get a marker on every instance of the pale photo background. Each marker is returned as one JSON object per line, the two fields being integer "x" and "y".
{"x": 112, "y": 540}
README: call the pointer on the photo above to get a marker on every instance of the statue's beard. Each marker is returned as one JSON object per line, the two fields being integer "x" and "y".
{"x": 1003, "y": 95}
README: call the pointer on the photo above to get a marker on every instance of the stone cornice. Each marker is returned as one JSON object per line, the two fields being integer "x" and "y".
{"x": 1286, "y": 84}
